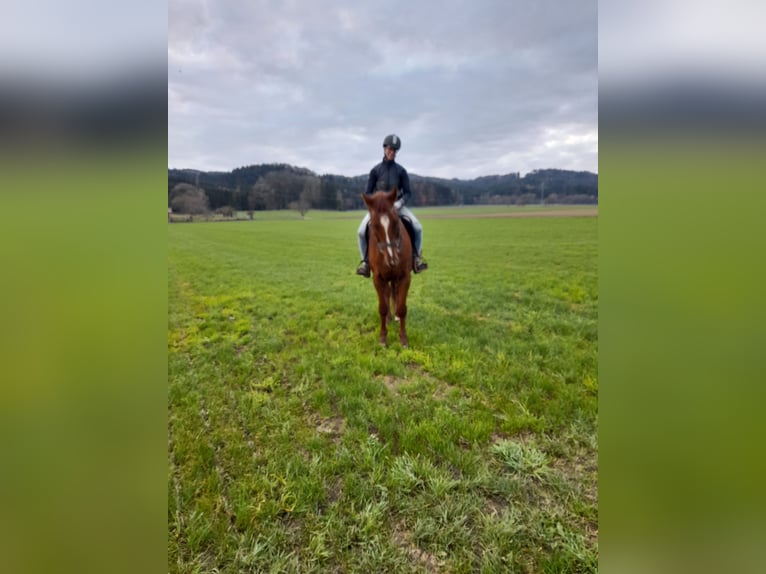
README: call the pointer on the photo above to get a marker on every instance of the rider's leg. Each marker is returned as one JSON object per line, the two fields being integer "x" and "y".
{"x": 417, "y": 263}
{"x": 364, "y": 266}
{"x": 362, "y": 235}
{"x": 417, "y": 228}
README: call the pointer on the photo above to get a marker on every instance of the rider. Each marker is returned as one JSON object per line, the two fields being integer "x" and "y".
{"x": 383, "y": 177}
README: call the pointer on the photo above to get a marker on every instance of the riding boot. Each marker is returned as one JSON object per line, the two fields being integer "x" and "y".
{"x": 418, "y": 264}
{"x": 363, "y": 269}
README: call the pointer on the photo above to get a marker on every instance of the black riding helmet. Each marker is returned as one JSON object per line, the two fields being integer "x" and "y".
{"x": 392, "y": 141}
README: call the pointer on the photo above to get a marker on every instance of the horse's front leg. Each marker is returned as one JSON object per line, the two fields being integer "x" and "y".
{"x": 392, "y": 306}
{"x": 383, "y": 295}
{"x": 401, "y": 309}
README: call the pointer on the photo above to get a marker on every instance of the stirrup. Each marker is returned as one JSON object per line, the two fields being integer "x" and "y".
{"x": 363, "y": 269}
{"x": 419, "y": 265}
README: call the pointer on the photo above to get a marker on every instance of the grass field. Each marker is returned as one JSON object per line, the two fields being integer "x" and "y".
{"x": 296, "y": 443}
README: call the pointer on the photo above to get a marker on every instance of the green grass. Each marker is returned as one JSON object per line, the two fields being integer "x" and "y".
{"x": 298, "y": 444}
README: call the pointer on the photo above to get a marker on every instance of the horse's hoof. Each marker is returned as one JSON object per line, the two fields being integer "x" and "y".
{"x": 405, "y": 346}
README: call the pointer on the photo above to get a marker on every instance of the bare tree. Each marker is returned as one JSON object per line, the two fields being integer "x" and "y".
{"x": 185, "y": 198}
{"x": 302, "y": 205}
{"x": 309, "y": 196}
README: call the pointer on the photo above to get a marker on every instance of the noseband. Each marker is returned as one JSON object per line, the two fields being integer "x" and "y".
{"x": 397, "y": 244}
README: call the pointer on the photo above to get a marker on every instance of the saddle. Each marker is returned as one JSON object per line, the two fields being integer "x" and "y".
{"x": 410, "y": 231}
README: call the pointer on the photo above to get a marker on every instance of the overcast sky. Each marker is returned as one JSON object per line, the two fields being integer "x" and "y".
{"x": 471, "y": 87}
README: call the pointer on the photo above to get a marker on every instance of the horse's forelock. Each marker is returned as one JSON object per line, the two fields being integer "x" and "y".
{"x": 380, "y": 203}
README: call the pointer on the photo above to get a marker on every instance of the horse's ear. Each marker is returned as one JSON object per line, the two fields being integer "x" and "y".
{"x": 367, "y": 199}
{"x": 392, "y": 195}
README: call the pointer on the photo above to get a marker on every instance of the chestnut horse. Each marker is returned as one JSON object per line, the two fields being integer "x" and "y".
{"x": 390, "y": 256}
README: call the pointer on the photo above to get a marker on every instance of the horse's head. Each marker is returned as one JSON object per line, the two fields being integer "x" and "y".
{"x": 386, "y": 230}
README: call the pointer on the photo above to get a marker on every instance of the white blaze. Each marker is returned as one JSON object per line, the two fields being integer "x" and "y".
{"x": 384, "y": 221}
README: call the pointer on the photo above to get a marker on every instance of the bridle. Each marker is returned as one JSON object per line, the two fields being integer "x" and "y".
{"x": 397, "y": 244}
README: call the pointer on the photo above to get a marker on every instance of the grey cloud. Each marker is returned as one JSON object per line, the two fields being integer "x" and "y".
{"x": 470, "y": 87}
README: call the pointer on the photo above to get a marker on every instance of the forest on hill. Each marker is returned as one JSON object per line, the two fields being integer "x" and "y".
{"x": 282, "y": 186}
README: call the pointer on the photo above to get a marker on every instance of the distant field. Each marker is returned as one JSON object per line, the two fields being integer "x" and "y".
{"x": 298, "y": 444}
{"x": 425, "y": 212}
{"x": 499, "y": 209}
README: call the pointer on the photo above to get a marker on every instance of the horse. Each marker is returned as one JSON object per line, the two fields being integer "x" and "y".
{"x": 390, "y": 256}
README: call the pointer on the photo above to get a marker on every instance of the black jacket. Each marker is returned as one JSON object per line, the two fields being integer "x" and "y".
{"x": 387, "y": 175}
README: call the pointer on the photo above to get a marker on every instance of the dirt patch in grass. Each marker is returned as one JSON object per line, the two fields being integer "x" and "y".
{"x": 392, "y": 383}
{"x": 524, "y": 437}
{"x": 581, "y": 472}
{"x": 585, "y": 212}
{"x": 442, "y": 388}
{"x": 495, "y": 505}
{"x": 543, "y": 213}
{"x": 403, "y": 539}
{"x": 496, "y": 437}
{"x": 333, "y": 427}
{"x": 335, "y": 491}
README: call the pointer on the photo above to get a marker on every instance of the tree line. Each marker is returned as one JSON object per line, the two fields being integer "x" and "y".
{"x": 281, "y": 186}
